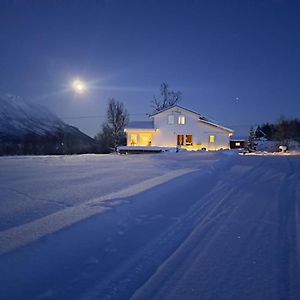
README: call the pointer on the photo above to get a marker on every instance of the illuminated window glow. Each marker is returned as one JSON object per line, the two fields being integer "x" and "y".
{"x": 133, "y": 139}
{"x": 212, "y": 138}
{"x": 181, "y": 120}
{"x": 145, "y": 139}
{"x": 238, "y": 144}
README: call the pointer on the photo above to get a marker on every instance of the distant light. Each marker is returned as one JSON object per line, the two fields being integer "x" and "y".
{"x": 79, "y": 86}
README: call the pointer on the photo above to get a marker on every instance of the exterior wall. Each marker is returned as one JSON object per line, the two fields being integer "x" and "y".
{"x": 221, "y": 137}
{"x": 166, "y": 134}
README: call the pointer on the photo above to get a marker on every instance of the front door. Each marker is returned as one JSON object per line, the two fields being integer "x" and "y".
{"x": 188, "y": 140}
{"x": 180, "y": 140}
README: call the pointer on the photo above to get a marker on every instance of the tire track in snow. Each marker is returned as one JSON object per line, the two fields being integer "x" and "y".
{"x": 192, "y": 237}
{"x": 29, "y": 198}
{"x": 209, "y": 217}
{"x": 209, "y": 212}
{"x": 203, "y": 239}
{"x": 15, "y": 237}
{"x": 288, "y": 231}
{"x": 122, "y": 283}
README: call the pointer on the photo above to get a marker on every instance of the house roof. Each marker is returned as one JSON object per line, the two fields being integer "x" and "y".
{"x": 140, "y": 125}
{"x": 181, "y": 107}
{"x": 238, "y": 138}
{"x": 217, "y": 125}
{"x": 201, "y": 117}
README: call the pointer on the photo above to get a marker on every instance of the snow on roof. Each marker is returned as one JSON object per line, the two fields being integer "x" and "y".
{"x": 217, "y": 125}
{"x": 181, "y": 107}
{"x": 238, "y": 138}
{"x": 140, "y": 125}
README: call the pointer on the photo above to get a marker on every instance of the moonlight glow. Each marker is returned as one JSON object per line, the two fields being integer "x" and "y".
{"x": 79, "y": 86}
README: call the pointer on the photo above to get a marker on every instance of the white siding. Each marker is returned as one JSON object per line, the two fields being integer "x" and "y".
{"x": 166, "y": 135}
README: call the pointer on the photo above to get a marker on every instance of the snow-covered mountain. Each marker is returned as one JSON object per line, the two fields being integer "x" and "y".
{"x": 19, "y": 117}
{"x": 22, "y": 122}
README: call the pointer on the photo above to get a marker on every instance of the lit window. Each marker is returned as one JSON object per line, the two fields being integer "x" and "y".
{"x": 145, "y": 139}
{"x": 238, "y": 144}
{"x": 181, "y": 120}
{"x": 212, "y": 138}
{"x": 133, "y": 139}
{"x": 171, "y": 119}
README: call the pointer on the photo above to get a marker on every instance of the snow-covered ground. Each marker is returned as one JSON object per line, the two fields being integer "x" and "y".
{"x": 164, "y": 226}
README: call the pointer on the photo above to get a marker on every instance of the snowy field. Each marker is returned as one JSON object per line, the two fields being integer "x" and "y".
{"x": 164, "y": 226}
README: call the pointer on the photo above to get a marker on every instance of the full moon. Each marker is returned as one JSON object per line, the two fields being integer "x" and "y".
{"x": 79, "y": 86}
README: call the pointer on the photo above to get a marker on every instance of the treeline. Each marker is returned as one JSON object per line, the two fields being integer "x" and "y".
{"x": 48, "y": 144}
{"x": 284, "y": 130}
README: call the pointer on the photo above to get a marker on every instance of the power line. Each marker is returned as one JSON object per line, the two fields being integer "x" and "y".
{"x": 98, "y": 116}
{"x": 83, "y": 117}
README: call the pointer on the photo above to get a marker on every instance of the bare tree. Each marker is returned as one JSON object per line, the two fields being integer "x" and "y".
{"x": 112, "y": 133}
{"x": 167, "y": 98}
{"x": 117, "y": 119}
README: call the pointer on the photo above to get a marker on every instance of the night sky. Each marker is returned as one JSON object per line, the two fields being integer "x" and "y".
{"x": 235, "y": 61}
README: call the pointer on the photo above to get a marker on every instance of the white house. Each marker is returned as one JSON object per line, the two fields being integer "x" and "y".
{"x": 177, "y": 126}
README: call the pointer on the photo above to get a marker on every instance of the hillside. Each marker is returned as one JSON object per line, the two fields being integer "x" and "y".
{"x": 29, "y": 128}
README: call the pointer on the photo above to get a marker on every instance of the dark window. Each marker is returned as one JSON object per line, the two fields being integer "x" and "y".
{"x": 171, "y": 119}
{"x": 189, "y": 140}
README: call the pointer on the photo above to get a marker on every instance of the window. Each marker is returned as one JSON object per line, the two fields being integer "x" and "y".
{"x": 181, "y": 120}
{"x": 238, "y": 144}
{"x": 180, "y": 139}
{"x": 212, "y": 138}
{"x": 133, "y": 139}
{"x": 171, "y": 119}
{"x": 189, "y": 140}
{"x": 145, "y": 139}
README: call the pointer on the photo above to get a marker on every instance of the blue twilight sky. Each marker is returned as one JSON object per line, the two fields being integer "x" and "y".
{"x": 236, "y": 61}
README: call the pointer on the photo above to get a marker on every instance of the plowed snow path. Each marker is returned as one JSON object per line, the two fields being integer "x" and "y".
{"x": 246, "y": 245}
{"x": 231, "y": 232}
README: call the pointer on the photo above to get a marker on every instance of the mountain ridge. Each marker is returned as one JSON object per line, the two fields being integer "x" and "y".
{"x": 30, "y": 128}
